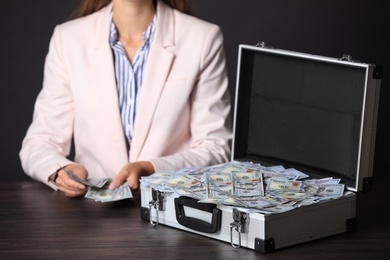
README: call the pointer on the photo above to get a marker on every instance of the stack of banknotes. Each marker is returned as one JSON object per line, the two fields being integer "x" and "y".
{"x": 98, "y": 189}
{"x": 267, "y": 190}
{"x": 104, "y": 194}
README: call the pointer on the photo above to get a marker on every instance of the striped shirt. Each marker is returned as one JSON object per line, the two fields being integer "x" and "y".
{"x": 129, "y": 75}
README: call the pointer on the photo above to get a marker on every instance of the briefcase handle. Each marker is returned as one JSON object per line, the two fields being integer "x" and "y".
{"x": 195, "y": 223}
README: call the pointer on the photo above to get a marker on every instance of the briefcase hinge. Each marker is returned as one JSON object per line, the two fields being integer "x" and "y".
{"x": 240, "y": 224}
{"x": 158, "y": 203}
{"x": 347, "y": 57}
{"x": 261, "y": 44}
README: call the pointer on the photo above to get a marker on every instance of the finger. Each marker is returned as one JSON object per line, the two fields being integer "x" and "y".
{"x": 69, "y": 190}
{"x": 69, "y": 182}
{"x": 119, "y": 179}
{"x": 133, "y": 182}
{"x": 74, "y": 184}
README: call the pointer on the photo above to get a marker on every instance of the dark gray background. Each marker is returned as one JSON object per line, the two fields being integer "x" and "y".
{"x": 328, "y": 28}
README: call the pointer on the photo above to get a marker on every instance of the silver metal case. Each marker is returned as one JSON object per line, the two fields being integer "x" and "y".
{"x": 316, "y": 114}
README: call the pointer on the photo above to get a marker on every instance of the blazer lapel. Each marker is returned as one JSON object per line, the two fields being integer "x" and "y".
{"x": 160, "y": 60}
{"x": 103, "y": 81}
{"x": 155, "y": 75}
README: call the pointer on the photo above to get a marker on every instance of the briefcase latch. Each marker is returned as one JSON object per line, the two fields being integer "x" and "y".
{"x": 157, "y": 202}
{"x": 240, "y": 224}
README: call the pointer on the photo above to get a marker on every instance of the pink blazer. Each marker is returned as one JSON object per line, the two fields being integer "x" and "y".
{"x": 183, "y": 118}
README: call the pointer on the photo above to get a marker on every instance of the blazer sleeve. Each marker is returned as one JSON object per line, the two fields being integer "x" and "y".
{"x": 48, "y": 139}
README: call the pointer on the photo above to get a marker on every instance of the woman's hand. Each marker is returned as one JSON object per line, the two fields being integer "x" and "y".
{"x": 131, "y": 173}
{"x": 67, "y": 185}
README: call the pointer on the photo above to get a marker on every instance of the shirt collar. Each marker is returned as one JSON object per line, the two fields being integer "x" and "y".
{"x": 147, "y": 35}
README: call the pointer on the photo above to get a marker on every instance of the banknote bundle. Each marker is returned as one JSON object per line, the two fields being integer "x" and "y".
{"x": 98, "y": 189}
{"x": 104, "y": 194}
{"x": 268, "y": 190}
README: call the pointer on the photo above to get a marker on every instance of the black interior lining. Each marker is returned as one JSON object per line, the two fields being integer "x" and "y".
{"x": 298, "y": 111}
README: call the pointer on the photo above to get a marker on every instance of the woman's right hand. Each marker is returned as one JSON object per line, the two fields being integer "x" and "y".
{"x": 67, "y": 185}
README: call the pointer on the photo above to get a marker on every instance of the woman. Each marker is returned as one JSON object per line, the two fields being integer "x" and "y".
{"x": 139, "y": 85}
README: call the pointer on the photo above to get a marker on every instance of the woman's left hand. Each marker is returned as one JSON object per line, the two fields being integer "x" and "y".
{"x": 131, "y": 173}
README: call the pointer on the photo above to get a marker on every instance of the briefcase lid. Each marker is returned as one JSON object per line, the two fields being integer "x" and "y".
{"x": 313, "y": 113}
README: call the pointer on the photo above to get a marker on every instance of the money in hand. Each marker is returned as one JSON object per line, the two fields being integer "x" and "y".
{"x": 104, "y": 194}
{"x": 99, "y": 191}
{"x": 93, "y": 183}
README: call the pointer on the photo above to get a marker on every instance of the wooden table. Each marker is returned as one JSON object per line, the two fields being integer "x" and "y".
{"x": 38, "y": 223}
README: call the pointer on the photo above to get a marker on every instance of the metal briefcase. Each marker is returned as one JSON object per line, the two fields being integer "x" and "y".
{"x": 313, "y": 113}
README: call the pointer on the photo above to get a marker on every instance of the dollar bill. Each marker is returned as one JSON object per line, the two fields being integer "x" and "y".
{"x": 276, "y": 209}
{"x": 219, "y": 179}
{"x": 293, "y": 196}
{"x": 106, "y": 195}
{"x": 323, "y": 181}
{"x": 295, "y": 174}
{"x": 230, "y": 168}
{"x": 218, "y": 191}
{"x": 330, "y": 191}
{"x": 183, "y": 181}
{"x": 255, "y": 202}
{"x": 248, "y": 184}
{"x": 285, "y": 185}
